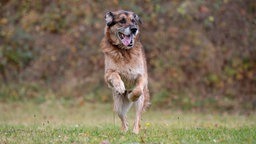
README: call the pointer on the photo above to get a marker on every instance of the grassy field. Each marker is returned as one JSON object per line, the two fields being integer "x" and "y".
{"x": 64, "y": 122}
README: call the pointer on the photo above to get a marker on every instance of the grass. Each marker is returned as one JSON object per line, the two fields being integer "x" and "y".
{"x": 64, "y": 122}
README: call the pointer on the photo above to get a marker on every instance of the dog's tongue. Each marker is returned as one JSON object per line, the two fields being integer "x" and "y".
{"x": 126, "y": 40}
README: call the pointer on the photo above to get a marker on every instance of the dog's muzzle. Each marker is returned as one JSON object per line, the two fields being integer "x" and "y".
{"x": 126, "y": 35}
{"x": 133, "y": 30}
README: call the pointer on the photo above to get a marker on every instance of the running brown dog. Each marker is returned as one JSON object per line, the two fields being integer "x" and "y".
{"x": 125, "y": 65}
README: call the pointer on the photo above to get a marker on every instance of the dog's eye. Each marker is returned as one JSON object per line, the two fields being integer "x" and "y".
{"x": 122, "y": 21}
{"x": 133, "y": 20}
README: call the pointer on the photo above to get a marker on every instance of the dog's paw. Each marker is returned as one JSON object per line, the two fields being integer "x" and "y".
{"x": 110, "y": 85}
{"x": 135, "y": 130}
{"x": 133, "y": 97}
{"x": 119, "y": 88}
{"x": 124, "y": 128}
{"x": 135, "y": 94}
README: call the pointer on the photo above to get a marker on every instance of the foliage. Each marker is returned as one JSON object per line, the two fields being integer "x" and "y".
{"x": 15, "y": 53}
{"x": 198, "y": 52}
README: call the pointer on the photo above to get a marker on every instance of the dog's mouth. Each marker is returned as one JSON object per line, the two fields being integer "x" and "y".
{"x": 126, "y": 40}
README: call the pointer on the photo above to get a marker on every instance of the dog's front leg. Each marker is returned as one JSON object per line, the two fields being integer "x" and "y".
{"x": 114, "y": 81}
{"x": 121, "y": 103}
{"x": 139, "y": 108}
{"x": 138, "y": 89}
{"x": 137, "y": 96}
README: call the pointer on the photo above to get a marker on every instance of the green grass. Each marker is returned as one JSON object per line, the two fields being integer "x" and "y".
{"x": 64, "y": 122}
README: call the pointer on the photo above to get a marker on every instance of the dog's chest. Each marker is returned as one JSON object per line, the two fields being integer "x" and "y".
{"x": 129, "y": 71}
{"x": 129, "y": 74}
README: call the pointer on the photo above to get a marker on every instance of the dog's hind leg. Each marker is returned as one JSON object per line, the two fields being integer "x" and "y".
{"x": 121, "y": 107}
{"x": 139, "y": 108}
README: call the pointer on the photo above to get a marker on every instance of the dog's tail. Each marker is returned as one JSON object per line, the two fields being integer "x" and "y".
{"x": 146, "y": 99}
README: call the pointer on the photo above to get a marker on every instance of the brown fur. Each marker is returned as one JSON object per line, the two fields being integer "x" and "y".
{"x": 125, "y": 68}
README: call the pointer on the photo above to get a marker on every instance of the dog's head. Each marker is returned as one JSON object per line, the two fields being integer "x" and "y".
{"x": 122, "y": 27}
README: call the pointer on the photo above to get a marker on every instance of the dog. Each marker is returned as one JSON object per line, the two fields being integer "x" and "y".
{"x": 125, "y": 65}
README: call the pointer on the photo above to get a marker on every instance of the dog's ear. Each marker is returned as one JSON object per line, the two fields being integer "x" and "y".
{"x": 109, "y": 17}
{"x": 137, "y": 18}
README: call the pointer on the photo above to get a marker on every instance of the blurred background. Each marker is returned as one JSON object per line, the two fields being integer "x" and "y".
{"x": 201, "y": 54}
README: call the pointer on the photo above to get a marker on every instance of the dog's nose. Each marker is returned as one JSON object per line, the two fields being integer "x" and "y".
{"x": 134, "y": 30}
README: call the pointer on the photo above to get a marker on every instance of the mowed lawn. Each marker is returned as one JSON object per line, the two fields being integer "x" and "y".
{"x": 63, "y": 122}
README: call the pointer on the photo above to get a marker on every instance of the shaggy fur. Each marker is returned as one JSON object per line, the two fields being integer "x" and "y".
{"x": 125, "y": 65}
